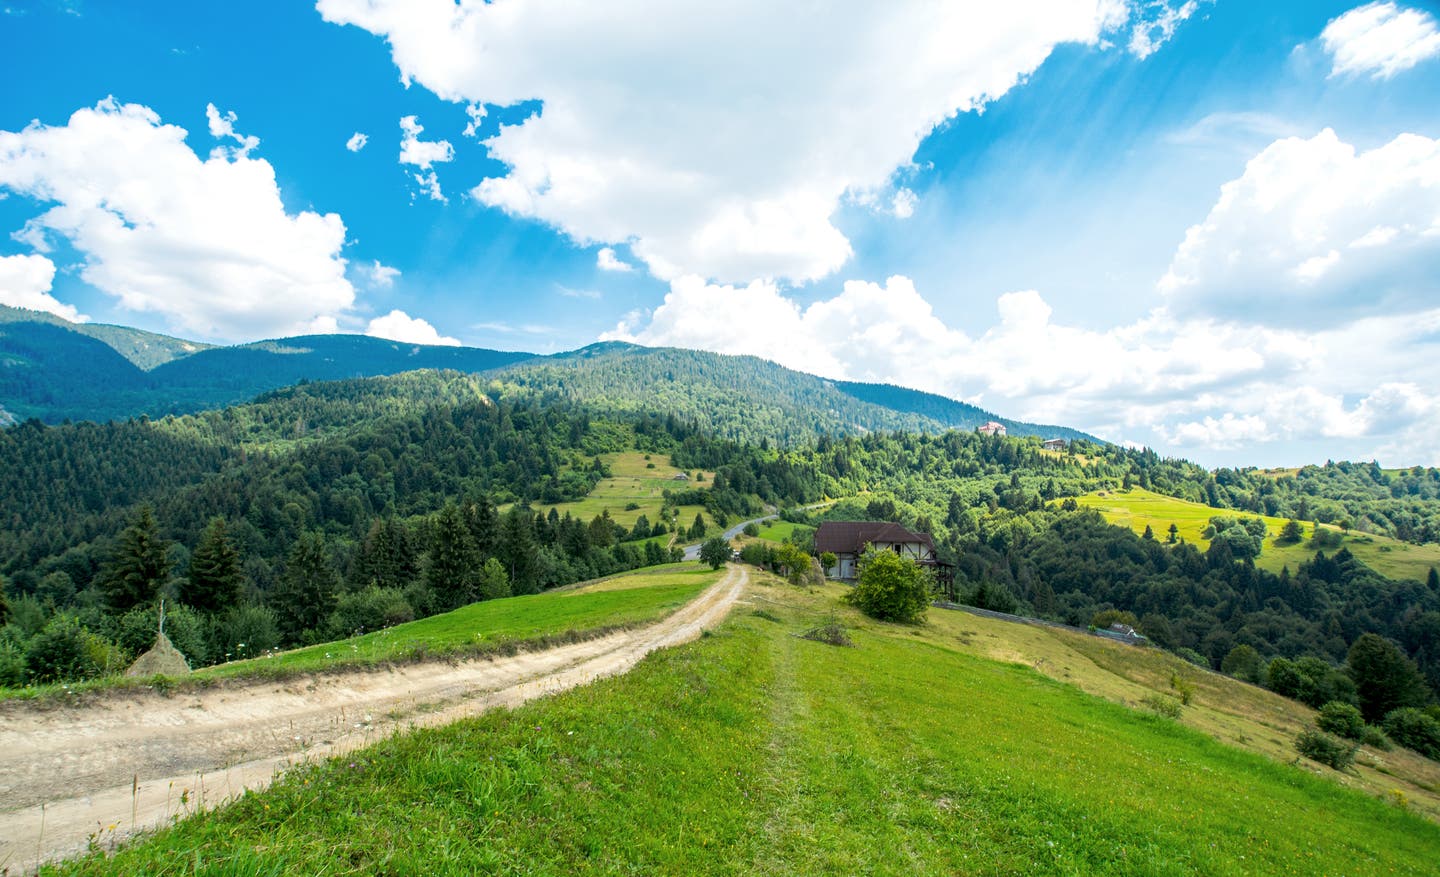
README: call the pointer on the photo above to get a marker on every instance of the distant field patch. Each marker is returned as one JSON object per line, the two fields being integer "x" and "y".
{"x": 1137, "y": 508}
{"x": 633, "y": 483}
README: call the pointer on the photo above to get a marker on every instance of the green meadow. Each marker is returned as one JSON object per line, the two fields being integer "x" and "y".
{"x": 1136, "y": 508}
{"x": 633, "y": 482}
{"x": 755, "y": 751}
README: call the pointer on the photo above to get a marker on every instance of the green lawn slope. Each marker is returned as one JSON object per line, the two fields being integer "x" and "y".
{"x": 1136, "y": 508}
{"x": 755, "y": 751}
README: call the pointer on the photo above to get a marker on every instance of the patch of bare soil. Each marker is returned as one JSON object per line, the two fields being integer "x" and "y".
{"x": 97, "y": 772}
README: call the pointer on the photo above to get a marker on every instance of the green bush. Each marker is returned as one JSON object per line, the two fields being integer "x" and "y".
{"x": 1162, "y": 705}
{"x": 1414, "y": 729}
{"x": 1321, "y": 747}
{"x": 1376, "y": 739}
{"x": 891, "y": 588}
{"x": 1343, "y": 719}
{"x": 243, "y": 632}
{"x": 61, "y": 652}
{"x": 369, "y": 609}
{"x": 752, "y": 529}
{"x": 12, "y": 658}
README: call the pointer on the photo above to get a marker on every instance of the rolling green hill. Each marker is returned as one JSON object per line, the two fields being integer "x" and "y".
{"x": 1137, "y": 508}
{"x": 756, "y": 751}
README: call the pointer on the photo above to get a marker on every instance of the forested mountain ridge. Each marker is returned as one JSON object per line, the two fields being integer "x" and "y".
{"x": 745, "y": 398}
{"x": 145, "y": 349}
{"x": 55, "y": 370}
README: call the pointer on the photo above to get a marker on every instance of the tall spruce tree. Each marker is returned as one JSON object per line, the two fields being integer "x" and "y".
{"x": 454, "y": 567}
{"x": 139, "y": 565}
{"x": 215, "y": 577}
{"x": 518, "y": 552}
{"x": 305, "y": 594}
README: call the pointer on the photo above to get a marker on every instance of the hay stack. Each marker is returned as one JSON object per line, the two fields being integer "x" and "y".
{"x": 162, "y": 659}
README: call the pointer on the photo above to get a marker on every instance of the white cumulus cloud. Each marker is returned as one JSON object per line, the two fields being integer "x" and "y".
{"x": 25, "y": 283}
{"x": 207, "y": 243}
{"x": 1315, "y": 232}
{"x": 423, "y": 154}
{"x": 357, "y": 141}
{"x": 222, "y": 127}
{"x": 606, "y": 260}
{"x": 379, "y": 276}
{"x": 716, "y": 139}
{"x": 400, "y": 326}
{"x": 1381, "y": 39}
{"x": 1191, "y": 383}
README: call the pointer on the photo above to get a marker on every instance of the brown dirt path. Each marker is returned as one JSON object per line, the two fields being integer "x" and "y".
{"x": 70, "y": 775}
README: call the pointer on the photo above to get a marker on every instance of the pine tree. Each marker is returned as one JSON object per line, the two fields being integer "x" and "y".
{"x": 139, "y": 566}
{"x": 4, "y": 603}
{"x": 1385, "y": 678}
{"x": 454, "y": 565}
{"x": 1432, "y": 581}
{"x": 305, "y": 595}
{"x": 517, "y": 552}
{"x": 484, "y": 524}
{"x": 215, "y": 577}
{"x": 697, "y": 529}
{"x": 1174, "y": 534}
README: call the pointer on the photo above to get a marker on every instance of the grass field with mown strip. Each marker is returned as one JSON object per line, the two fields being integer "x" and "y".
{"x": 753, "y": 751}
{"x": 1138, "y": 507}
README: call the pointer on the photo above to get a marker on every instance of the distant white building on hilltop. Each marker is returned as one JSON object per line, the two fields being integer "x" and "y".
{"x": 991, "y": 428}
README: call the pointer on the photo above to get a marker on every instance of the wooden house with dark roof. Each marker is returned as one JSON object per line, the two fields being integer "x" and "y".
{"x": 847, "y": 540}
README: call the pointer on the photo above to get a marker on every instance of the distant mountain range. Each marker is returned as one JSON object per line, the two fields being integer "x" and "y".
{"x": 55, "y": 370}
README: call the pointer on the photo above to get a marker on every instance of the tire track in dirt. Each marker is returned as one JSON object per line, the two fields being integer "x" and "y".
{"x": 102, "y": 771}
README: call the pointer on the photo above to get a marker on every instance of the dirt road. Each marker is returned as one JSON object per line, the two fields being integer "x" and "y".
{"x": 100, "y": 771}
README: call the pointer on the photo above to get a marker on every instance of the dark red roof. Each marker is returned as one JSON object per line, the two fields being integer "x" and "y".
{"x": 851, "y": 537}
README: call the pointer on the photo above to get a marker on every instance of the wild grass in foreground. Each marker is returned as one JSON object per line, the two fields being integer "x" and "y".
{"x": 755, "y": 751}
{"x": 492, "y": 627}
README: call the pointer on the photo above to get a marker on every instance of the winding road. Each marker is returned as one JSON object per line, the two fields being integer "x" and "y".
{"x": 105, "y": 768}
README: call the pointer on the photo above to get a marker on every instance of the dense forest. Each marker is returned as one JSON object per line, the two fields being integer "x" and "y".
{"x": 326, "y": 508}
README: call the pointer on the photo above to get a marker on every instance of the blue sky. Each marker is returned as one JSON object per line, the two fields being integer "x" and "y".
{"x": 1207, "y": 227}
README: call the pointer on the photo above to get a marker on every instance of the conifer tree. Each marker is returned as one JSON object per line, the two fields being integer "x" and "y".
{"x": 215, "y": 578}
{"x": 305, "y": 594}
{"x": 454, "y": 566}
{"x": 139, "y": 566}
{"x": 517, "y": 552}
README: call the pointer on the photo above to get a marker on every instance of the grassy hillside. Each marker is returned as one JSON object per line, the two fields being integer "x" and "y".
{"x": 755, "y": 751}
{"x": 1137, "y": 508}
{"x": 632, "y": 481}
{"x": 505, "y": 625}
{"x": 495, "y": 625}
